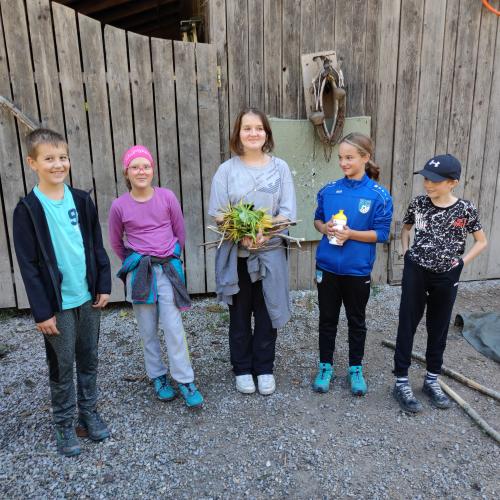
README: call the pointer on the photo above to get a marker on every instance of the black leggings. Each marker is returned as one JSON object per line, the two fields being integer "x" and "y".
{"x": 333, "y": 291}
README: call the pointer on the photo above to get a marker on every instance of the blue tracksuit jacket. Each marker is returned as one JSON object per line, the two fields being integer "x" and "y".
{"x": 368, "y": 206}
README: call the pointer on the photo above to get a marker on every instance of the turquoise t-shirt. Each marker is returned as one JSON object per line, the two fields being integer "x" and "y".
{"x": 62, "y": 219}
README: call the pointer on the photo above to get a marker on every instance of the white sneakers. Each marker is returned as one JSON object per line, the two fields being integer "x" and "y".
{"x": 244, "y": 384}
{"x": 266, "y": 383}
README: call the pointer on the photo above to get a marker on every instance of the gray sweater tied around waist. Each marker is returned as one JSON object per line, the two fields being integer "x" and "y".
{"x": 270, "y": 266}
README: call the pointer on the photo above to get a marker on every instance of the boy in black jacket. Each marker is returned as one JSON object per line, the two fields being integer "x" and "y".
{"x": 67, "y": 276}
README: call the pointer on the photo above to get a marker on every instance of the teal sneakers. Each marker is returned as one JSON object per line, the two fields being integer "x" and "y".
{"x": 164, "y": 391}
{"x": 192, "y": 396}
{"x": 358, "y": 384}
{"x": 322, "y": 381}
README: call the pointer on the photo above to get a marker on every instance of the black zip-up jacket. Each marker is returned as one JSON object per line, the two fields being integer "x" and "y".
{"x": 37, "y": 260}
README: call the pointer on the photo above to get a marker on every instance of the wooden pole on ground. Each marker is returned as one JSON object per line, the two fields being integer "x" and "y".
{"x": 452, "y": 373}
{"x": 470, "y": 411}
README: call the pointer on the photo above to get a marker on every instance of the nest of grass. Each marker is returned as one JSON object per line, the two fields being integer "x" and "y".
{"x": 241, "y": 220}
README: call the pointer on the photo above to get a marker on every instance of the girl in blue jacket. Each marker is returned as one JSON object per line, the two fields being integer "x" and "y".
{"x": 343, "y": 269}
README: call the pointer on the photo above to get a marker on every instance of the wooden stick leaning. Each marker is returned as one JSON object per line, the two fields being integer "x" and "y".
{"x": 470, "y": 411}
{"x": 452, "y": 373}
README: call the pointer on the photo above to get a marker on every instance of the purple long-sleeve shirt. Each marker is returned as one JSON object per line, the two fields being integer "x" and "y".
{"x": 151, "y": 227}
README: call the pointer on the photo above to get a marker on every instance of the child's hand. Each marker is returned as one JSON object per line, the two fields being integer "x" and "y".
{"x": 341, "y": 234}
{"x": 246, "y": 241}
{"x": 329, "y": 229}
{"x": 48, "y": 327}
{"x": 260, "y": 239}
{"x": 101, "y": 300}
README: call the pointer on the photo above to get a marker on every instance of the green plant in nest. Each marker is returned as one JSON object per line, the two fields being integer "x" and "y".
{"x": 244, "y": 220}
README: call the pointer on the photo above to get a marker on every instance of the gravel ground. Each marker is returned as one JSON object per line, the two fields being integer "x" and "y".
{"x": 295, "y": 443}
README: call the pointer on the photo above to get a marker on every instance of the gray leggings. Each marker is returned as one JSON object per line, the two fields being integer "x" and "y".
{"x": 77, "y": 341}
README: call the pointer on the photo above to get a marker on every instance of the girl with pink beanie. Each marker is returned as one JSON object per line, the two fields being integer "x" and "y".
{"x": 146, "y": 231}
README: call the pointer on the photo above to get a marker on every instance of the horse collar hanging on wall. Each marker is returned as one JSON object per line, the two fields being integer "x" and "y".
{"x": 329, "y": 106}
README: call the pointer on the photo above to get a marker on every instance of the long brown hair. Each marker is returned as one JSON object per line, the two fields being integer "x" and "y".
{"x": 364, "y": 146}
{"x": 235, "y": 142}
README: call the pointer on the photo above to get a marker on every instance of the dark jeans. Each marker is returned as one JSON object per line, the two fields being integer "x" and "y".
{"x": 421, "y": 288}
{"x": 250, "y": 352}
{"x": 333, "y": 291}
{"x": 77, "y": 341}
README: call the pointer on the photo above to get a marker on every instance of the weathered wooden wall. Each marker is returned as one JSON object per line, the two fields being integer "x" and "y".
{"x": 106, "y": 89}
{"x": 427, "y": 72}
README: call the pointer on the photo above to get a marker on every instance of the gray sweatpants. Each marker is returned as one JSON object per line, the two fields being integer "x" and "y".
{"x": 77, "y": 341}
{"x": 168, "y": 314}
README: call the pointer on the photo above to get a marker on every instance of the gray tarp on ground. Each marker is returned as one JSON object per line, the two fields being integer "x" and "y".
{"x": 482, "y": 331}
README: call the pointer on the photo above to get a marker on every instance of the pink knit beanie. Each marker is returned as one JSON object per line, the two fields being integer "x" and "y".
{"x": 134, "y": 152}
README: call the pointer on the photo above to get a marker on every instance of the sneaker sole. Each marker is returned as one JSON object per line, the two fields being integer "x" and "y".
{"x": 245, "y": 391}
{"x": 166, "y": 399}
{"x": 193, "y": 407}
{"x": 319, "y": 390}
{"x": 358, "y": 393}
{"x": 71, "y": 453}
{"x": 267, "y": 392}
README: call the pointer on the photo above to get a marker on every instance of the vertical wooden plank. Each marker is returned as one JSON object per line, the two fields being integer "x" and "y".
{"x": 68, "y": 51}
{"x": 371, "y": 55}
{"x": 430, "y": 76}
{"x": 119, "y": 98}
{"x": 256, "y": 53}
{"x": 304, "y": 267}
{"x": 447, "y": 72}
{"x": 463, "y": 83}
{"x": 166, "y": 126}
{"x": 291, "y": 80}
{"x": 324, "y": 34}
{"x": 217, "y": 13}
{"x": 44, "y": 58}
{"x": 489, "y": 203}
{"x": 312, "y": 273}
{"x": 208, "y": 118}
{"x": 405, "y": 121}
{"x": 11, "y": 185}
{"x": 21, "y": 70}
{"x": 141, "y": 82}
{"x": 100, "y": 134}
{"x": 189, "y": 152}
{"x": 350, "y": 31}
{"x": 478, "y": 175}
{"x": 272, "y": 57}
{"x": 386, "y": 106}
{"x": 292, "y": 267}
{"x": 23, "y": 94}
{"x": 307, "y": 39}
{"x": 237, "y": 57}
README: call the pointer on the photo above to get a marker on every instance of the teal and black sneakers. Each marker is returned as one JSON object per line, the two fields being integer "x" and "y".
{"x": 192, "y": 396}
{"x": 164, "y": 391}
{"x": 67, "y": 442}
{"x": 358, "y": 384}
{"x": 322, "y": 381}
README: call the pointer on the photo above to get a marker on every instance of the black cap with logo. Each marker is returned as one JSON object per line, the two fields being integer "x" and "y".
{"x": 441, "y": 168}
